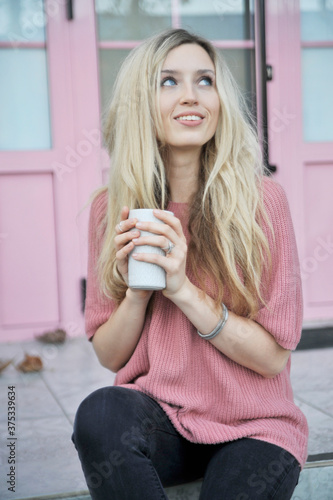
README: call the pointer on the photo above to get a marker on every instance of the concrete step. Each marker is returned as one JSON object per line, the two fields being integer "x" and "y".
{"x": 315, "y": 483}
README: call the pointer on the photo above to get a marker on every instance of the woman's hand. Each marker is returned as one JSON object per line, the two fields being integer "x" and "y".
{"x": 174, "y": 262}
{"x": 124, "y": 245}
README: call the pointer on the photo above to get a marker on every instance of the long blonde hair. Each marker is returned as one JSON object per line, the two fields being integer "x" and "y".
{"x": 225, "y": 212}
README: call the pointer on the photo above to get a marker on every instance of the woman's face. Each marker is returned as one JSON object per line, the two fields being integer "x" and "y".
{"x": 189, "y": 102}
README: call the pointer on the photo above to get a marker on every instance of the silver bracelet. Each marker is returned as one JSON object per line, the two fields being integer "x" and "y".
{"x": 218, "y": 327}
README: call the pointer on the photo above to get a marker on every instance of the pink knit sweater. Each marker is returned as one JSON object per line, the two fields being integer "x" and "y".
{"x": 208, "y": 397}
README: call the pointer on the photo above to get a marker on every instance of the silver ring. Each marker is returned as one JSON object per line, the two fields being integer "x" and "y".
{"x": 169, "y": 248}
{"x": 119, "y": 227}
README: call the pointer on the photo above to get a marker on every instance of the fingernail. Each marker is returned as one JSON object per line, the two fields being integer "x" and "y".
{"x": 135, "y": 255}
{"x": 139, "y": 224}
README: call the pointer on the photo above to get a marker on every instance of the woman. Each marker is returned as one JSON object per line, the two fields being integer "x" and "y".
{"x": 202, "y": 387}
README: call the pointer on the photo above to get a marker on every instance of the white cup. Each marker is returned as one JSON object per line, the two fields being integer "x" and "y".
{"x": 144, "y": 275}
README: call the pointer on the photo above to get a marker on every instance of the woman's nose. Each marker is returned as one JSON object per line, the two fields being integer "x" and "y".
{"x": 189, "y": 95}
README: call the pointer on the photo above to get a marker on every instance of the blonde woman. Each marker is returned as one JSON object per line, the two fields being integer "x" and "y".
{"x": 202, "y": 387}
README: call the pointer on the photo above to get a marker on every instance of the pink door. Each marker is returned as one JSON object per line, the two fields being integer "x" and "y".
{"x": 300, "y": 126}
{"x": 50, "y": 152}
{"x": 56, "y": 79}
{"x": 49, "y": 142}
{"x": 230, "y": 25}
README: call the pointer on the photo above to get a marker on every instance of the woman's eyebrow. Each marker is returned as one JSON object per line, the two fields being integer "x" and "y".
{"x": 199, "y": 71}
{"x": 202, "y": 71}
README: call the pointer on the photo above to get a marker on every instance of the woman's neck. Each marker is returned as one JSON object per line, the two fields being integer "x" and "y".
{"x": 183, "y": 172}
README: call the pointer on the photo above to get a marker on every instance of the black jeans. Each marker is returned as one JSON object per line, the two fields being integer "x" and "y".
{"x": 129, "y": 450}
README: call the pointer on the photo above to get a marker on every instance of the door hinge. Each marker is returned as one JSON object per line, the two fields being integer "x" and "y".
{"x": 269, "y": 72}
{"x": 69, "y": 10}
{"x": 83, "y": 293}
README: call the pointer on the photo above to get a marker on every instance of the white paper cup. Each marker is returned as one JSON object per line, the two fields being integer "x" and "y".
{"x": 144, "y": 275}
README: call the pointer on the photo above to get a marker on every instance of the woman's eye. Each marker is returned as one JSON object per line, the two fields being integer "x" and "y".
{"x": 168, "y": 82}
{"x": 206, "y": 80}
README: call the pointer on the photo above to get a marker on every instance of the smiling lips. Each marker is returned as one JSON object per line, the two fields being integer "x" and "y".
{"x": 189, "y": 119}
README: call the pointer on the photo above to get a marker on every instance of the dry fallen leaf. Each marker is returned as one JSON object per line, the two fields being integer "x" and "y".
{"x": 4, "y": 364}
{"x": 55, "y": 337}
{"x": 30, "y": 364}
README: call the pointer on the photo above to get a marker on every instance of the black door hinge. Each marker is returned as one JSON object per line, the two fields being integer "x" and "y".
{"x": 69, "y": 10}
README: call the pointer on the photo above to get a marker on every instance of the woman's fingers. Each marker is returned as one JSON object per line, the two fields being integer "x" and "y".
{"x": 170, "y": 237}
{"x": 153, "y": 241}
{"x": 124, "y": 238}
{"x": 173, "y": 263}
{"x": 123, "y": 241}
{"x": 171, "y": 221}
{"x": 157, "y": 229}
{"x": 123, "y": 234}
{"x": 125, "y": 225}
{"x": 124, "y": 250}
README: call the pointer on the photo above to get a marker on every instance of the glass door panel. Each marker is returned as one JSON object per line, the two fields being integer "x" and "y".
{"x": 24, "y": 117}
{"x": 109, "y": 64}
{"x": 22, "y": 21}
{"x": 316, "y": 20}
{"x": 218, "y": 19}
{"x": 121, "y": 25}
{"x": 317, "y": 78}
{"x": 241, "y": 63}
{"x": 131, "y": 19}
{"x": 24, "y": 99}
{"x": 317, "y": 69}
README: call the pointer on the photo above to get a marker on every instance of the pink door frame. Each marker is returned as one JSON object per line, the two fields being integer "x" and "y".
{"x": 71, "y": 171}
{"x": 305, "y": 170}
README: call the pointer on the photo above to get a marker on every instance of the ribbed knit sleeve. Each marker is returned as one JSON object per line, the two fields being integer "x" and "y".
{"x": 283, "y": 313}
{"x": 98, "y": 309}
